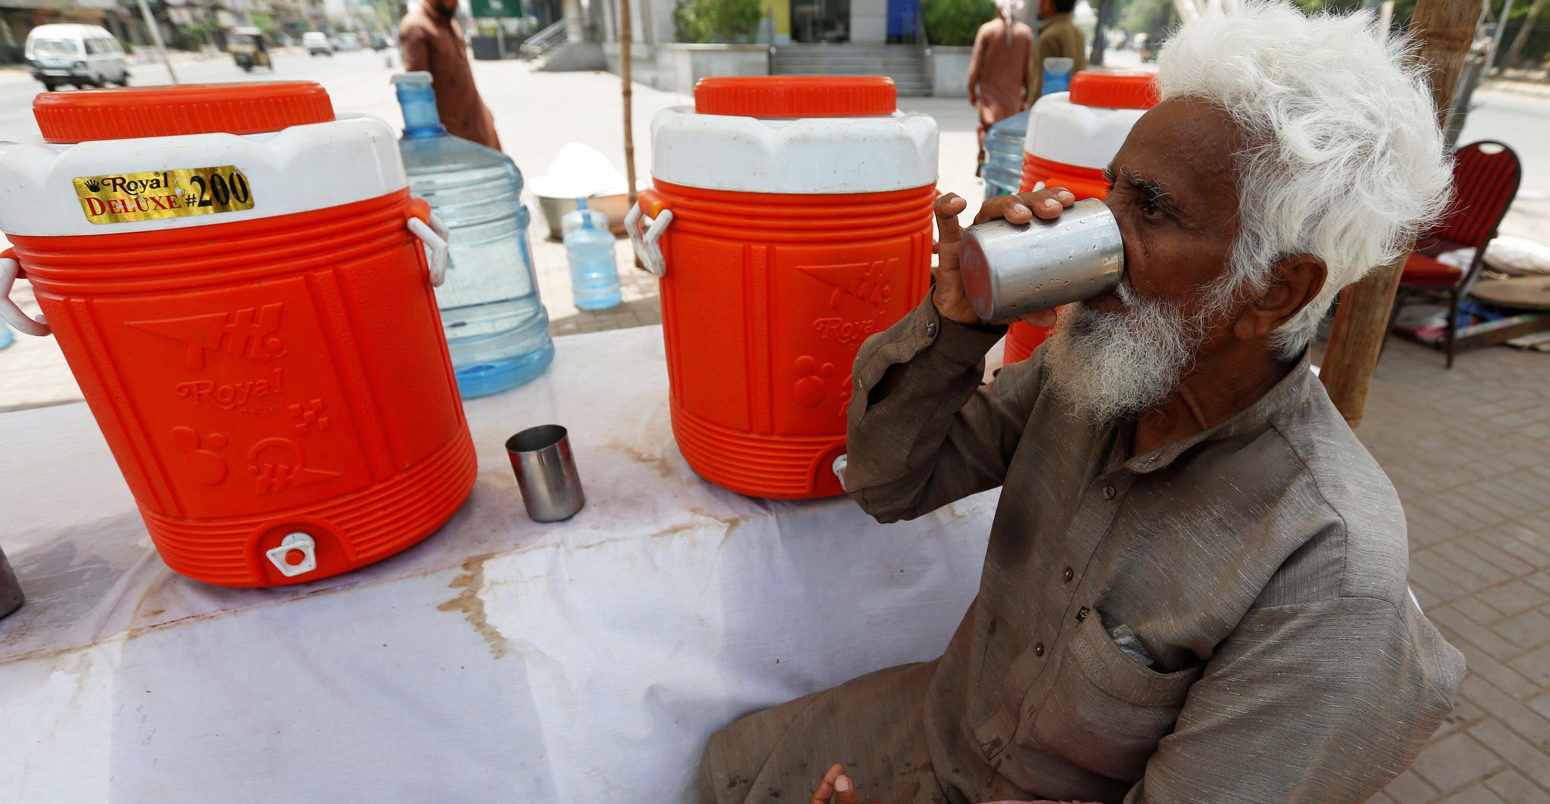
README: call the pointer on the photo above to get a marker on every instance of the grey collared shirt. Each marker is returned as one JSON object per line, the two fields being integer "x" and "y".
{"x": 1261, "y": 566}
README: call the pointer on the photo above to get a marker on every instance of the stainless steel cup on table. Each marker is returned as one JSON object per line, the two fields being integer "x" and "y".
{"x": 1011, "y": 270}
{"x": 10, "y": 590}
{"x": 546, "y": 472}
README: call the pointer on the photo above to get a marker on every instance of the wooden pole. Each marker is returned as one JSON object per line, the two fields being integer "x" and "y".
{"x": 624, "y": 78}
{"x": 1444, "y": 30}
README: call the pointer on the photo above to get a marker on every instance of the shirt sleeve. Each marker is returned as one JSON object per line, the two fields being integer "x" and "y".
{"x": 922, "y": 431}
{"x": 416, "y": 49}
{"x": 1320, "y": 702}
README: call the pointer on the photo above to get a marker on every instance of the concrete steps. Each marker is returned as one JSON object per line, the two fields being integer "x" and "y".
{"x": 905, "y": 64}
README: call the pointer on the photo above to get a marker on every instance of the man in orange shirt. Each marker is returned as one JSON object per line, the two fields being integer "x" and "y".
{"x": 433, "y": 42}
{"x": 998, "y": 70}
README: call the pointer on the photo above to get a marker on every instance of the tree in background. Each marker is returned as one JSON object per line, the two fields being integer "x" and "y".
{"x": 706, "y": 21}
{"x": 955, "y": 22}
{"x": 1532, "y": 16}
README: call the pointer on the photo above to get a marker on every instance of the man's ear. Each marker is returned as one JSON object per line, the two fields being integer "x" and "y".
{"x": 1295, "y": 281}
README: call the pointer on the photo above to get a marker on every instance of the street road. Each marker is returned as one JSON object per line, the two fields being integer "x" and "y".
{"x": 358, "y": 82}
{"x": 1522, "y": 122}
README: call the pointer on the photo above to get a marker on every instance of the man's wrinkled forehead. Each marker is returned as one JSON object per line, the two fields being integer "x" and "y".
{"x": 1187, "y": 149}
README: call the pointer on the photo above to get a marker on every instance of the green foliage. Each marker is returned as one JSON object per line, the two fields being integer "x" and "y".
{"x": 955, "y": 22}
{"x": 1152, "y": 17}
{"x": 706, "y": 21}
{"x": 201, "y": 32}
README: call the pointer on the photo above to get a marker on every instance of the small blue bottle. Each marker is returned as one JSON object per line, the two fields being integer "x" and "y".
{"x": 497, "y": 329}
{"x": 5, "y": 335}
{"x": 1057, "y": 74}
{"x": 1004, "y": 155}
{"x": 589, "y": 247}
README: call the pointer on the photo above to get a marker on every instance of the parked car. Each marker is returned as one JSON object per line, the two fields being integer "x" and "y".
{"x": 317, "y": 42}
{"x": 380, "y": 42}
{"x": 347, "y": 42}
{"x": 80, "y": 55}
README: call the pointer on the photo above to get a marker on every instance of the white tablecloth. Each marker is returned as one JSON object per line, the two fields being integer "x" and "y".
{"x": 501, "y": 659}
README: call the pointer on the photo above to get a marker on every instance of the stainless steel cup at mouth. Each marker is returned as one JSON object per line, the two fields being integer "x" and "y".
{"x": 10, "y": 590}
{"x": 546, "y": 472}
{"x": 1011, "y": 270}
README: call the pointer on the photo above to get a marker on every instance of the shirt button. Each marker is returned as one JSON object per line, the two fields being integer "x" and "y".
{"x": 1038, "y": 649}
{"x": 930, "y": 329}
{"x": 1108, "y": 492}
{"x": 1068, "y": 575}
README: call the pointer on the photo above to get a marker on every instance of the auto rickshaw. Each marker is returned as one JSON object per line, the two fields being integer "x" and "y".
{"x": 249, "y": 49}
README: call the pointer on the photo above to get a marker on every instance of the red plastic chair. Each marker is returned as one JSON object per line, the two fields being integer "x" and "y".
{"x": 1485, "y": 180}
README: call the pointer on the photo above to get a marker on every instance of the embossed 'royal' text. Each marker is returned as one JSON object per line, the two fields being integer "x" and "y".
{"x": 227, "y": 396}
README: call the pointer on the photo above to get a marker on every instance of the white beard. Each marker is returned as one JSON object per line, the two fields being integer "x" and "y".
{"x": 1110, "y": 365}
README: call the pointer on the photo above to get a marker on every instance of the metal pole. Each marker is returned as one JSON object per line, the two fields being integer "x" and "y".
{"x": 1496, "y": 39}
{"x": 625, "y": 35}
{"x": 150, "y": 22}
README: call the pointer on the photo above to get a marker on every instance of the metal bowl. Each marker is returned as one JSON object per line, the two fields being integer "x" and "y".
{"x": 614, "y": 206}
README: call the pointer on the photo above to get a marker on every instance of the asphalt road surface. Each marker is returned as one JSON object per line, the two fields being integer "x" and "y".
{"x": 358, "y": 82}
{"x": 1522, "y": 122}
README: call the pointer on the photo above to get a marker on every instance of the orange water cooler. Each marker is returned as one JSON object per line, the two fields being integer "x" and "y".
{"x": 240, "y": 284}
{"x": 790, "y": 219}
{"x": 1071, "y": 138}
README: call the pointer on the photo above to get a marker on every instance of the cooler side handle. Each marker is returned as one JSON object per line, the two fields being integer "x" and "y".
{"x": 645, "y": 232}
{"x": 424, "y": 224}
{"x": 11, "y": 314}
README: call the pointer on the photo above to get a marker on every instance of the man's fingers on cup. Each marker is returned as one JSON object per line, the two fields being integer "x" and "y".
{"x": 1010, "y": 207}
{"x": 947, "y": 209}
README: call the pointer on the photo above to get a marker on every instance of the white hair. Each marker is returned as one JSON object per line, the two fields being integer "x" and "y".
{"x": 1342, "y": 159}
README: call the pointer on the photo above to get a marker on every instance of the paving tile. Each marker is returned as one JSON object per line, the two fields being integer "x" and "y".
{"x": 1409, "y": 787}
{"x": 1444, "y": 567}
{"x": 1484, "y": 666}
{"x": 1507, "y": 711}
{"x": 1437, "y": 582}
{"x": 1475, "y": 608}
{"x": 1492, "y": 574}
{"x": 1512, "y": 787}
{"x": 1471, "y": 631}
{"x": 1483, "y": 549}
{"x": 1525, "y": 758}
{"x": 1476, "y": 793}
{"x": 1527, "y": 630}
{"x": 1541, "y": 705}
{"x": 1515, "y": 547}
{"x": 1464, "y": 715}
{"x": 1453, "y": 762}
{"x": 1534, "y": 666}
{"x": 1428, "y": 599}
{"x": 1514, "y": 598}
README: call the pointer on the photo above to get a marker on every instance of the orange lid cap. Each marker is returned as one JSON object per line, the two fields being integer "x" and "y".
{"x": 1114, "y": 89}
{"x": 797, "y": 96}
{"x": 121, "y": 114}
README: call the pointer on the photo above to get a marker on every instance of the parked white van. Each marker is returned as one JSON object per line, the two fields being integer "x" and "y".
{"x": 317, "y": 42}
{"x": 82, "y": 55}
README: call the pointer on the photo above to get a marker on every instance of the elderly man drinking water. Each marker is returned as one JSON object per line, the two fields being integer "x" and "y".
{"x": 1195, "y": 585}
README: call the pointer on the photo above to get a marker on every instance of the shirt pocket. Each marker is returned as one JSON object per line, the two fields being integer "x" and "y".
{"x": 1104, "y": 711}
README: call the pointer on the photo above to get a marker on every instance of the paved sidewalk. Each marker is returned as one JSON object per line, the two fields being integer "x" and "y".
{"x": 1469, "y": 452}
